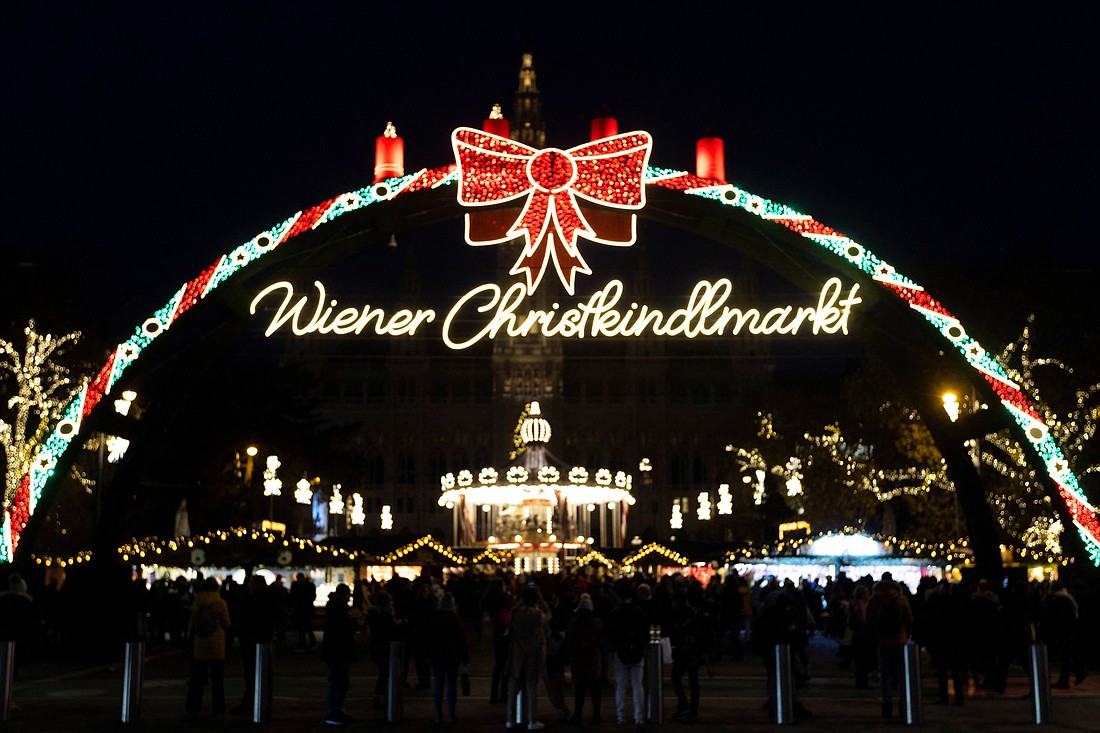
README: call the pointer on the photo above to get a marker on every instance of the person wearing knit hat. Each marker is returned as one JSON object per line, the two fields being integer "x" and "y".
{"x": 584, "y": 603}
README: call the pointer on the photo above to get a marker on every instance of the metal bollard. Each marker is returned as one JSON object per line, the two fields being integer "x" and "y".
{"x": 132, "y": 676}
{"x": 1040, "y": 683}
{"x": 521, "y": 703}
{"x": 394, "y": 689}
{"x": 261, "y": 690}
{"x": 7, "y": 676}
{"x": 911, "y": 694}
{"x": 784, "y": 685}
{"x": 654, "y": 670}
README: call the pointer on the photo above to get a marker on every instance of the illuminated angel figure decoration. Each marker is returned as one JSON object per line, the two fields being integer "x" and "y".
{"x": 336, "y": 503}
{"x": 564, "y": 194}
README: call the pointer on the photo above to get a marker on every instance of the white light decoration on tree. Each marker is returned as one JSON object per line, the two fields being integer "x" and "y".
{"x": 703, "y": 510}
{"x": 725, "y": 500}
{"x": 677, "y": 519}
{"x": 336, "y": 503}
{"x": 273, "y": 485}
{"x": 38, "y": 391}
{"x": 758, "y": 490}
{"x": 1023, "y": 508}
{"x": 302, "y": 492}
{"x": 357, "y": 515}
{"x": 116, "y": 448}
{"x": 794, "y": 477}
{"x": 387, "y": 517}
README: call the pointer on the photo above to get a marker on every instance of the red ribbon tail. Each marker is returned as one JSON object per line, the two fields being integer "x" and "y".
{"x": 532, "y": 262}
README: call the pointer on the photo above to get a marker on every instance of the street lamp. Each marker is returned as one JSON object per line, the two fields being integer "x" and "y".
{"x": 250, "y": 452}
{"x": 951, "y": 405}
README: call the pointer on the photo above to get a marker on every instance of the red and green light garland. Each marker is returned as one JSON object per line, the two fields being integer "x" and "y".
{"x": 1012, "y": 397}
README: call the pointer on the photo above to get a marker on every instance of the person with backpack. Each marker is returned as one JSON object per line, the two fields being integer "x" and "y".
{"x": 776, "y": 625}
{"x": 628, "y": 632}
{"x": 209, "y": 621}
{"x": 890, "y": 619}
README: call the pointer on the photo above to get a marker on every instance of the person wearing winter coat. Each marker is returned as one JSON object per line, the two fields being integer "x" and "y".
{"x": 776, "y": 625}
{"x": 385, "y": 627}
{"x": 528, "y": 664}
{"x": 303, "y": 594}
{"x": 890, "y": 620}
{"x": 444, "y": 638}
{"x": 584, "y": 640}
{"x": 209, "y": 622}
{"x": 628, "y": 633}
{"x": 690, "y": 637}
{"x": 338, "y": 652}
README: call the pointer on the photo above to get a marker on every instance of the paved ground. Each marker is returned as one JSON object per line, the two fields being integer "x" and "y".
{"x": 67, "y": 696}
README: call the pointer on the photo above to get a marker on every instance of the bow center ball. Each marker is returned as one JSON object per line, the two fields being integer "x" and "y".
{"x": 552, "y": 170}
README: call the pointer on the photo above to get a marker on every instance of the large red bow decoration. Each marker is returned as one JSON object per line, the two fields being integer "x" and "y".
{"x": 494, "y": 170}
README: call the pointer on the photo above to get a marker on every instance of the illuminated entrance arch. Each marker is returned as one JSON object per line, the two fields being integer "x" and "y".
{"x": 720, "y": 201}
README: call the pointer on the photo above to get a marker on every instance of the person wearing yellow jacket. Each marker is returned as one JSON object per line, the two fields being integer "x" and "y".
{"x": 209, "y": 622}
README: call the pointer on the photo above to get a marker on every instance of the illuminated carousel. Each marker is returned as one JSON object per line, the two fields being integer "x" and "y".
{"x": 536, "y": 508}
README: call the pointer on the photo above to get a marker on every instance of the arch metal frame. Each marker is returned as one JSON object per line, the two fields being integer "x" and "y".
{"x": 56, "y": 451}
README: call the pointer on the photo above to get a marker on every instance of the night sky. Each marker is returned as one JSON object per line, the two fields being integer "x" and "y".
{"x": 143, "y": 140}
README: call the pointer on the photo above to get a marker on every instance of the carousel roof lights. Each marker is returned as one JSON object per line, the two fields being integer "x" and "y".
{"x": 535, "y": 429}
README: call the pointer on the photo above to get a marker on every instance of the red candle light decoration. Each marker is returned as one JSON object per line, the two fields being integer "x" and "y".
{"x": 496, "y": 124}
{"x": 710, "y": 158}
{"x": 604, "y": 127}
{"x": 389, "y": 155}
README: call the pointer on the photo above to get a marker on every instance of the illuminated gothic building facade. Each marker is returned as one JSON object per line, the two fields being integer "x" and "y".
{"x": 422, "y": 410}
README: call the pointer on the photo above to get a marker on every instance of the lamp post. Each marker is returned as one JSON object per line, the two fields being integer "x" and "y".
{"x": 250, "y": 453}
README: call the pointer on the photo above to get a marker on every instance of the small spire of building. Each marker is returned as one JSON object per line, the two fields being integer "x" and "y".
{"x": 529, "y": 128}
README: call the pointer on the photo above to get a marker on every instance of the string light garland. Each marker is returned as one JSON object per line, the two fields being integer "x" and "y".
{"x": 654, "y": 549}
{"x": 28, "y": 489}
{"x": 426, "y": 541}
{"x": 951, "y": 553}
{"x": 596, "y": 556}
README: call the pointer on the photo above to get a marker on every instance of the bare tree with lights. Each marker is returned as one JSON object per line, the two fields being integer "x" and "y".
{"x": 35, "y": 388}
{"x": 1071, "y": 414}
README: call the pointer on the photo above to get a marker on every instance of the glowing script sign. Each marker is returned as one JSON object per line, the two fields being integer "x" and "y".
{"x": 488, "y": 311}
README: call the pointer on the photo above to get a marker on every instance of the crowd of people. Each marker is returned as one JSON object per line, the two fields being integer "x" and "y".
{"x": 590, "y": 630}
